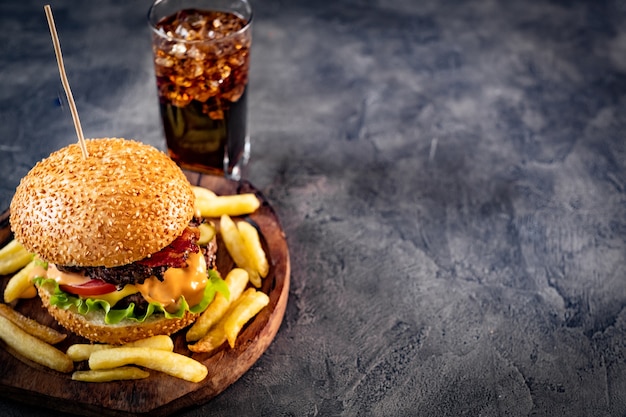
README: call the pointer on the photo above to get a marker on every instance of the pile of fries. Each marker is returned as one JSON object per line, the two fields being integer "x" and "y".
{"x": 221, "y": 322}
{"x": 224, "y": 318}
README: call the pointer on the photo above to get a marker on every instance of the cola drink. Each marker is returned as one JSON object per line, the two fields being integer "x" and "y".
{"x": 201, "y": 61}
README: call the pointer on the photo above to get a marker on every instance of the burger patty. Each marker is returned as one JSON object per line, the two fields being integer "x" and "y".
{"x": 120, "y": 275}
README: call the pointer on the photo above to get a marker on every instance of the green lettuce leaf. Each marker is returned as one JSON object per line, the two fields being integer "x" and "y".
{"x": 64, "y": 300}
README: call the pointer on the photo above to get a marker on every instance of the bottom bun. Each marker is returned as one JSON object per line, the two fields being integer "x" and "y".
{"x": 93, "y": 327}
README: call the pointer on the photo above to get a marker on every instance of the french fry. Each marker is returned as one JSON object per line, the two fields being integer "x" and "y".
{"x": 235, "y": 246}
{"x": 171, "y": 363}
{"x": 255, "y": 278}
{"x": 160, "y": 342}
{"x": 203, "y": 198}
{"x": 114, "y": 374}
{"x": 20, "y": 283}
{"x": 32, "y": 348}
{"x": 214, "y": 338}
{"x": 13, "y": 257}
{"x": 232, "y": 205}
{"x": 82, "y": 351}
{"x": 202, "y": 194}
{"x": 34, "y": 328}
{"x": 216, "y": 335}
{"x": 236, "y": 280}
{"x": 252, "y": 243}
{"x": 248, "y": 306}
{"x": 238, "y": 314}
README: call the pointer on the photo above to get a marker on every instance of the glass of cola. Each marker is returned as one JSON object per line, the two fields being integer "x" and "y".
{"x": 201, "y": 51}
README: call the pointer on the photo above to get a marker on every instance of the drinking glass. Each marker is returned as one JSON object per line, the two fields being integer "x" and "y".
{"x": 201, "y": 51}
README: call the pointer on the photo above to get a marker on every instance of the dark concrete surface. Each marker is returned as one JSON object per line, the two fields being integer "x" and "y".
{"x": 451, "y": 177}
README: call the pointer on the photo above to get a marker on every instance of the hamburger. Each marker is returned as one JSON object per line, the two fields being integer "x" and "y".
{"x": 118, "y": 239}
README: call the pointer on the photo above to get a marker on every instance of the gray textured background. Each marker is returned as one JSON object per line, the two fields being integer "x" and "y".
{"x": 451, "y": 176}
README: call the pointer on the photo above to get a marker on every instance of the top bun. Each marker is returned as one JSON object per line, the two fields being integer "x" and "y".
{"x": 124, "y": 202}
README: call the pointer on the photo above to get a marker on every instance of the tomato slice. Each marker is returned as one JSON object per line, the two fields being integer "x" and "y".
{"x": 92, "y": 287}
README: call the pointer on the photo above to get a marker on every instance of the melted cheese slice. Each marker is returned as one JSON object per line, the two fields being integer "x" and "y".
{"x": 189, "y": 282}
{"x": 113, "y": 297}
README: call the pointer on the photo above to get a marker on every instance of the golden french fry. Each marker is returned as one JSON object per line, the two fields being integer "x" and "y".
{"x": 81, "y": 351}
{"x": 248, "y": 306}
{"x": 252, "y": 243}
{"x": 13, "y": 257}
{"x": 232, "y": 205}
{"x": 207, "y": 233}
{"x": 236, "y": 280}
{"x": 171, "y": 363}
{"x": 202, "y": 198}
{"x": 34, "y": 328}
{"x": 255, "y": 278}
{"x": 20, "y": 283}
{"x": 214, "y": 338}
{"x": 202, "y": 193}
{"x": 114, "y": 374}
{"x": 231, "y": 323}
{"x": 161, "y": 342}
{"x": 235, "y": 246}
{"x": 32, "y": 348}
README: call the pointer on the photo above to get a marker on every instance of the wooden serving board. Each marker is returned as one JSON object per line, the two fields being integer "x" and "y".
{"x": 159, "y": 394}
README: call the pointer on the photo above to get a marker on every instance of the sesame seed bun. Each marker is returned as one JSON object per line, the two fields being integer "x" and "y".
{"x": 93, "y": 327}
{"x": 124, "y": 202}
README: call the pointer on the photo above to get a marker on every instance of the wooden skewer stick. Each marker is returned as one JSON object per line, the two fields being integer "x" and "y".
{"x": 66, "y": 84}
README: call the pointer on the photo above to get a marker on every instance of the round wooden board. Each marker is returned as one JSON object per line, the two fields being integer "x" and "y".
{"x": 160, "y": 394}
